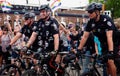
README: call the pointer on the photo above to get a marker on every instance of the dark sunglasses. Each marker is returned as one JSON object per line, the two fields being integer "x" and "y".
{"x": 26, "y": 18}
{"x": 90, "y": 12}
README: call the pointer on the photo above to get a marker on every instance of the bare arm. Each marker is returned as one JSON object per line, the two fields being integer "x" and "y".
{"x": 110, "y": 40}
{"x": 17, "y": 36}
{"x": 32, "y": 39}
{"x": 63, "y": 28}
{"x": 96, "y": 49}
{"x": 56, "y": 42}
{"x": 9, "y": 26}
{"x": 83, "y": 40}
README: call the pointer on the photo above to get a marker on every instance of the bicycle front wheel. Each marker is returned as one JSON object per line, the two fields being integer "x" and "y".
{"x": 10, "y": 70}
{"x": 29, "y": 73}
{"x": 72, "y": 71}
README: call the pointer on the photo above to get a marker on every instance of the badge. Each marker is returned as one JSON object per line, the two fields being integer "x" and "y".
{"x": 93, "y": 25}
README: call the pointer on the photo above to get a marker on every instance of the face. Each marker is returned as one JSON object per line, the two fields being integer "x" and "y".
{"x": 5, "y": 31}
{"x": 17, "y": 16}
{"x": 92, "y": 15}
{"x": 72, "y": 29}
{"x": 43, "y": 14}
{"x": 27, "y": 21}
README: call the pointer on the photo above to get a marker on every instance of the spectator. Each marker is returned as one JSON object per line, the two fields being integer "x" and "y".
{"x": 5, "y": 40}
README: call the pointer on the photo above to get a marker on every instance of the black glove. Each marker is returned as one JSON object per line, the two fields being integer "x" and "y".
{"x": 54, "y": 52}
{"x": 25, "y": 48}
{"x": 8, "y": 47}
{"x": 79, "y": 52}
{"x": 95, "y": 55}
{"x": 110, "y": 55}
{"x": 29, "y": 52}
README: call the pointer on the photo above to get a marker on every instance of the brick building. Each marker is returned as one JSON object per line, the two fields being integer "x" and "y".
{"x": 67, "y": 15}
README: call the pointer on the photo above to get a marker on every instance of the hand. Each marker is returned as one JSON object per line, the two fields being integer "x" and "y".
{"x": 78, "y": 53}
{"x": 54, "y": 52}
{"x": 25, "y": 48}
{"x": 95, "y": 55}
{"x": 28, "y": 52}
{"x": 8, "y": 47}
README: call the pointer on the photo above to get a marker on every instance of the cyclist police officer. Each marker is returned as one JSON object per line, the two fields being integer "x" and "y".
{"x": 47, "y": 31}
{"x": 102, "y": 26}
{"x": 27, "y": 29}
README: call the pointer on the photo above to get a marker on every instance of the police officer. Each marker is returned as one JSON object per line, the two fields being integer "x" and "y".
{"x": 47, "y": 31}
{"x": 27, "y": 29}
{"x": 103, "y": 27}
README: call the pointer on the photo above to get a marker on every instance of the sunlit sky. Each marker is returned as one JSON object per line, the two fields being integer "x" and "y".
{"x": 65, "y": 3}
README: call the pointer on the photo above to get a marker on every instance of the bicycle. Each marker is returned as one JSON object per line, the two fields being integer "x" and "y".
{"x": 16, "y": 68}
{"x": 72, "y": 66}
{"x": 43, "y": 68}
{"x": 94, "y": 66}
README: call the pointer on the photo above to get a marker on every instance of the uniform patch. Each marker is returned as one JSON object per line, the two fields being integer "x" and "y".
{"x": 93, "y": 25}
{"x": 55, "y": 27}
{"x": 109, "y": 23}
{"x": 39, "y": 37}
{"x": 105, "y": 19}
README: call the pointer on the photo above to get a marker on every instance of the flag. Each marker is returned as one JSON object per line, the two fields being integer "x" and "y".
{"x": 6, "y": 6}
{"x": 55, "y": 4}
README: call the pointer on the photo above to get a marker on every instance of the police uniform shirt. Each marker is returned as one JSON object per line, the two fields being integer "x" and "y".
{"x": 46, "y": 30}
{"x": 27, "y": 30}
{"x": 100, "y": 28}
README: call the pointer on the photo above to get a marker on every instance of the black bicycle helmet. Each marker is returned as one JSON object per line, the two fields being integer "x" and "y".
{"x": 29, "y": 15}
{"x": 45, "y": 7}
{"x": 94, "y": 6}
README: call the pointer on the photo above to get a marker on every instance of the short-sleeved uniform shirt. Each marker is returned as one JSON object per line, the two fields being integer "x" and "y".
{"x": 45, "y": 31}
{"x": 100, "y": 28}
{"x": 75, "y": 38}
{"x": 27, "y": 31}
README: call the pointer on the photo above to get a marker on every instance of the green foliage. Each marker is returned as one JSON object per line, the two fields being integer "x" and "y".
{"x": 114, "y": 6}
{"x": 90, "y": 1}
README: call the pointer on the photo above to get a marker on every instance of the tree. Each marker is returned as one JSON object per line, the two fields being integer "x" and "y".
{"x": 114, "y": 6}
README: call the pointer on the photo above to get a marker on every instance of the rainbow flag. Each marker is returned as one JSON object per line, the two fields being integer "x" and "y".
{"x": 55, "y": 4}
{"x": 6, "y": 6}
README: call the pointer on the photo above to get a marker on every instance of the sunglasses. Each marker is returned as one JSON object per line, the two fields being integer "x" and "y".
{"x": 90, "y": 12}
{"x": 26, "y": 18}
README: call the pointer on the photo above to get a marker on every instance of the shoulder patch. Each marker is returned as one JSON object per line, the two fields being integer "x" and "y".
{"x": 109, "y": 23}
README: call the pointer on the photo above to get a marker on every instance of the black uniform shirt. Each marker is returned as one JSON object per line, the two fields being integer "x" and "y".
{"x": 46, "y": 30}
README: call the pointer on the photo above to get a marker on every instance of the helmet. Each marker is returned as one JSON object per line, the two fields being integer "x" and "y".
{"x": 94, "y": 6}
{"x": 45, "y": 7}
{"x": 16, "y": 13}
{"x": 29, "y": 15}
